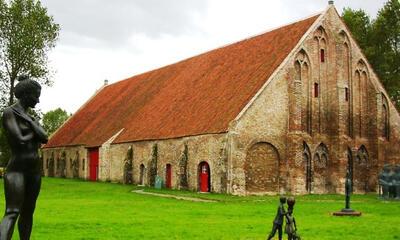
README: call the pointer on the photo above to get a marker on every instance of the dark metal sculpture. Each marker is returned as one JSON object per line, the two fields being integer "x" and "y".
{"x": 347, "y": 211}
{"x": 348, "y": 191}
{"x": 22, "y": 179}
{"x": 396, "y": 181}
{"x": 291, "y": 228}
{"x": 389, "y": 182}
{"x": 278, "y": 221}
{"x": 385, "y": 181}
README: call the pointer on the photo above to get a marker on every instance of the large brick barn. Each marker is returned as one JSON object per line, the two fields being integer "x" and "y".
{"x": 286, "y": 111}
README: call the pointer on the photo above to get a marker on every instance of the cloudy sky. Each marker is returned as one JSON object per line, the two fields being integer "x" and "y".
{"x": 114, "y": 40}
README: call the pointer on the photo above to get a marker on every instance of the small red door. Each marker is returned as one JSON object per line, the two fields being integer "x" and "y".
{"x": 93, "y": 164}
{"x": 204, "y": 177}
{"x": 168, "y": 176}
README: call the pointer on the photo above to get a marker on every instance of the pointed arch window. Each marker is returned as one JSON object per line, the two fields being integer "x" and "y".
{"x": 361, "y": 101}
{"x": 321, "y": 156}
{"x": 385, "y": 118}
{"x": 320, "y": 50}
{"x": 303, "y": 76}
{"x": 321, "y": 39}
{"x": 362, "y": 156}
{"x": 308, "y": 167}
{"x": 344, "y": 74}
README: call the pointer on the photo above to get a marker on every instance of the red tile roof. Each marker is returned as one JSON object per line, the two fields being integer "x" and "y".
{"x": 199, "y": 95}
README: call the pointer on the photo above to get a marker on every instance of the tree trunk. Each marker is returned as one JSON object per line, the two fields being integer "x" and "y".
{"x": 11, "y": 99}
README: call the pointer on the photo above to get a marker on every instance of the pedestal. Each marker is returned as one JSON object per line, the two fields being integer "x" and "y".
{"x": 347, "y": 212}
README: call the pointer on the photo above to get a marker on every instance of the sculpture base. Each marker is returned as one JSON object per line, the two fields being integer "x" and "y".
{"x": 347, "y": 212}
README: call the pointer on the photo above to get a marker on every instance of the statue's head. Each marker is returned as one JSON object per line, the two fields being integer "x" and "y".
{"x": 291, "y": 201}
{"x": 348, "y": 172}
{"x": 282, "y": 199}
{"x": 27, "y": 91}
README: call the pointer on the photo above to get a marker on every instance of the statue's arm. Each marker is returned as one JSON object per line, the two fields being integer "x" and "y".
{"x": 282, "y": 211}
{"x": 40, "y": 132}
{"x": 383, "y": 182}
{"x": 12, "y": 128}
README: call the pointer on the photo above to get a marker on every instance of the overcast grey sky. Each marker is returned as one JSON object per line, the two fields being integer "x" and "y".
{"x": 114, "y": 40}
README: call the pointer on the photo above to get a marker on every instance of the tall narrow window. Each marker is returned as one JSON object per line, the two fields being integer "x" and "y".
{"x": 347, "y": 94}
{"x": 316, "y": 90}
{"x": 322, "y": 55}
{"x": 385, "y": 120}
{"x": 303, "y": 89}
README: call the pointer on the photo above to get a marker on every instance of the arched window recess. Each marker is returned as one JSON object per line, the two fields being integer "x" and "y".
{"x": 321, "y": 156}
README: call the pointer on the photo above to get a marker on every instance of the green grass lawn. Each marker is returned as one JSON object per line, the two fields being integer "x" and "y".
{"x": 72, "y": 209}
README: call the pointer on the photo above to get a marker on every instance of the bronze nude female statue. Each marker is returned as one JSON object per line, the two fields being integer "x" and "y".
{"x": 22, "y": 179}
{"x": 291, "y": 228}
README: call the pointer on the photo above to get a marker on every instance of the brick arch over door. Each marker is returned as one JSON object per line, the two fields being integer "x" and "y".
{"x": 262, "y": 168}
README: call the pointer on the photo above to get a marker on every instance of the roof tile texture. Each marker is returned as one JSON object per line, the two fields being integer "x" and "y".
{"x": 199, "y": 95}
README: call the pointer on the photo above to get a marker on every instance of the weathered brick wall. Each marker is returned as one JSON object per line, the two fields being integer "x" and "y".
{"x": 76, "y": 163}
{"x": 263, "y": 124}
{"x": 313, "y": 120}
{"x": 210, "y": 148}
{"x": 261, "y": 175}
{"x": 335, "y": 103}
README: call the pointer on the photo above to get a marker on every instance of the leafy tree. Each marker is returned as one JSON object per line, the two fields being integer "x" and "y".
{"x": 27, "y": 34}
{"x": 52, "y": 120}
{"x": 380, "y": 41}
{"x": 359, "y": 24}
{"x": 4, "y": 148}
{"x": 386, "y": 38}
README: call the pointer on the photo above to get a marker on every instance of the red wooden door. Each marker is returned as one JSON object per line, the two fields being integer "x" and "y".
{"x": 168, "y": 176}
{"x": 93, "y": 164}
{"x": 204, "y": 177}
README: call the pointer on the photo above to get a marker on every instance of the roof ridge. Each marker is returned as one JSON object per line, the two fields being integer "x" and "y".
{"x": 80, "y": 108}
{"x": 221, "y": 47}
{"x": 283, "y": 63}
{"x": 271, "y": 29}
{"x": 201, "y": 94}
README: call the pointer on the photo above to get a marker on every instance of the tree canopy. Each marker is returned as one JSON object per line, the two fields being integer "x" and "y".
{"x": 52, "y": 120}
{"x": 27, "y": 34}
{"x": 4, "y": 148}
{"x": 380, "y": 41}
